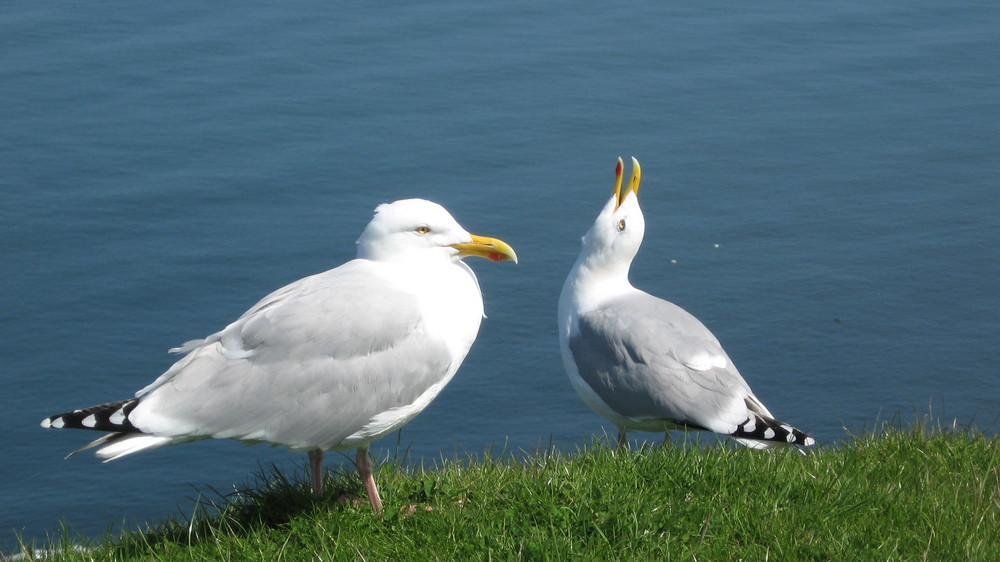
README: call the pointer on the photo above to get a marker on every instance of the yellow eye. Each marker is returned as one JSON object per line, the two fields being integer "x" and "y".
{"x": 621, "y": 225}
{"x": 421, "y": 230}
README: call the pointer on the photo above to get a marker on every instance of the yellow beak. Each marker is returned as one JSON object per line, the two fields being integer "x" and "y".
{"x": 633, "y": 186}
{"x": 486, "y": 247}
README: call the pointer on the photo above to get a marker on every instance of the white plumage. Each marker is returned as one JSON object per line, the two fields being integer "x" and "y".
{"x": 640, "y": 361}
{"x": 332, "y": 361}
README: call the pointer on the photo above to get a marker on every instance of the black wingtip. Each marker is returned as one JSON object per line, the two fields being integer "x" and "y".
{"x": 766, "y": 429}
{"x": 113, "y": 416}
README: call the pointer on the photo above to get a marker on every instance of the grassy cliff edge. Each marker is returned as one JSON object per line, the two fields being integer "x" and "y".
{"x": 895, "y": 495}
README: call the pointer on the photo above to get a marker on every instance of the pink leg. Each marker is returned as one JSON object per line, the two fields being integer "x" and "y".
{"x": 316, "y": 463}
{"x": 622, "y": 439}
{"x": 365, "y": 470}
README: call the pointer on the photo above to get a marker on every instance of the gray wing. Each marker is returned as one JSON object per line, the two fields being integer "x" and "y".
{"x": 649, "y": 359}
{"x": 307, "y": 366}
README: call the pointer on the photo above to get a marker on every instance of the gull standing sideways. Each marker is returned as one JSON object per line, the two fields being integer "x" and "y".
{"x": 640, "y": 361}
{"x": 330, "y": 362}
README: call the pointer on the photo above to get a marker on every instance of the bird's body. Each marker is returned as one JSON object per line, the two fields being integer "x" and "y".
{"x": 642, "y": 362}
{"x": 332, "y": 361}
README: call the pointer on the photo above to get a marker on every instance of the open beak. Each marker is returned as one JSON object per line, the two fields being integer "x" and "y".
{"x": 486, "y": 247}
{"x": 633, "y": 185}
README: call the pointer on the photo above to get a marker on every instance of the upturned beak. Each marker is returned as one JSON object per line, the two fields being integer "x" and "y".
{"x": 633, "y": 185}
{"x": 486, "y": 247}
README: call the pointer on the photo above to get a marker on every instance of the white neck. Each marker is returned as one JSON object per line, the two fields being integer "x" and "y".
{"x": 588, "y": 285}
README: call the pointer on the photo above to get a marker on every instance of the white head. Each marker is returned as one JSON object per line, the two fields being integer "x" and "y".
{"x": 614, "y": 239}
{"x": 418, "y": 229}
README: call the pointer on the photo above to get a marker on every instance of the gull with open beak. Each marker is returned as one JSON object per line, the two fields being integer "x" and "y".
{"x": 640, "y": 361}
{"x": 330, "y": 362}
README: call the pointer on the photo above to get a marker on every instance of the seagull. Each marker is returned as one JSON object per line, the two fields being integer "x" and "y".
{"x": 645, "y": 363}
{"x": 333, "y": 361}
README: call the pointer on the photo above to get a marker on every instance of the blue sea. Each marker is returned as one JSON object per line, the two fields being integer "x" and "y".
{"x": 820, "y": 185}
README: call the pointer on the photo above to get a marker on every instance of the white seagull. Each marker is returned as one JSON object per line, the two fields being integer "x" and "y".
{"x": 330, "y": 362}
{"x": 640, "y": 361}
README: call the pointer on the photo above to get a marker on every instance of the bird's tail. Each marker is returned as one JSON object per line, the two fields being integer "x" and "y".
{"x": 123, "y": 439}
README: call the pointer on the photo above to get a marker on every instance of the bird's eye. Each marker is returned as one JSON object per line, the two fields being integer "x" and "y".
{"x": 621, "y": 225}
{"x": 421, "y": 230}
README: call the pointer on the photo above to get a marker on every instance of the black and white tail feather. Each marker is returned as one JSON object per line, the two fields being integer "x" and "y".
{"x": 123, "y": 437}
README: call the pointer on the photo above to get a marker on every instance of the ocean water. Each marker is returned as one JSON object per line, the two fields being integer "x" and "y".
{"x": 820, "y": 188}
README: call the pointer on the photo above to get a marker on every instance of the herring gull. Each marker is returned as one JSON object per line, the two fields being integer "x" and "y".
{"x": 645, "y": 363}
{"x": 330, "y": 362}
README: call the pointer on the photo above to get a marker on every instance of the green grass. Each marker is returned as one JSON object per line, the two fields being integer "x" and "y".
{"x": 910, "y": 494}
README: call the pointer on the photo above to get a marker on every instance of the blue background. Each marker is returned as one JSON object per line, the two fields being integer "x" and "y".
{"x": 820, "y": 188}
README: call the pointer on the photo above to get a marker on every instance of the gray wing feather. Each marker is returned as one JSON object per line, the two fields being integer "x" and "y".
{"x": 309, "y": 365}
{"x": 637, "y": 352}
